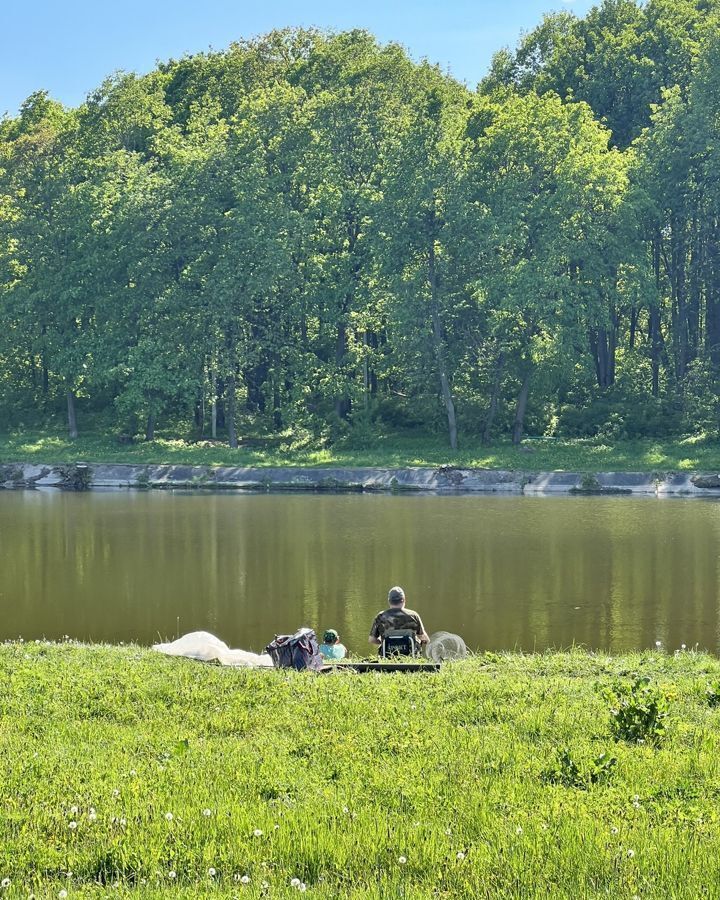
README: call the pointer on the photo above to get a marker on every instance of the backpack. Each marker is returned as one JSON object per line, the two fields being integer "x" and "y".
{"x": 296, "y": 651}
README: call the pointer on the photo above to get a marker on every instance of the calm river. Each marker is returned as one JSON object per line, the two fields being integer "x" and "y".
{"x": 503, "y": 572}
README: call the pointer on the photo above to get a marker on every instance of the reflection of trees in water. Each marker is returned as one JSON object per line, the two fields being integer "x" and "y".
{"x": 502, "y": 572}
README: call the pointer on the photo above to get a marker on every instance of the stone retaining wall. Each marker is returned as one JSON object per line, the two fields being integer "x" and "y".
{"x": 444, "y": 479}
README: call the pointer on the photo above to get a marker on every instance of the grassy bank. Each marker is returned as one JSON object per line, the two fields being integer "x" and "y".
{"x": 389, "y": 451}
{"x": 151, "y": 777}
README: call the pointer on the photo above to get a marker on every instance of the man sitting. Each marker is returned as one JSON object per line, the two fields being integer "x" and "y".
{"x": 397, "y": 617}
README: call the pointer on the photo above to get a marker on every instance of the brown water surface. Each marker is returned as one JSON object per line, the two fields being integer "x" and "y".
{"x": 504, "y": 572}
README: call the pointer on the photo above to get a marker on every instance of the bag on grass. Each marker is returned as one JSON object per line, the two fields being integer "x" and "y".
{"x": 296, "y": 651}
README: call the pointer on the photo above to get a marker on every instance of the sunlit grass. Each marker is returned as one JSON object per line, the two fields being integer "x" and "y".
{"x": 683, "y": 454}
{"x": 123, "y": 773}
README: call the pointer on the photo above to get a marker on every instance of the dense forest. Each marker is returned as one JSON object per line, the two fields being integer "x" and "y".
{"x": 312, "y": 232}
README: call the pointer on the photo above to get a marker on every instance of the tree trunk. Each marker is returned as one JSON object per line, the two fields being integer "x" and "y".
{"x": 150, "y": 427}
{"x": 438, "y": 347}
{"x": 494, "y": 397}
{"x": 521, "y": 408}
{"x": 230, "y": 411}
{"x": 72, "y": 417}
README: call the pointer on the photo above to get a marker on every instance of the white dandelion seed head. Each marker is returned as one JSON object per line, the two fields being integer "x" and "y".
{"x": 257, "y": 833}
{"x": 302, "y": 887}
{"x": 402, "y": 860}
{"x": 460, "y": 855}
{"x": 211, "y": 872}
{"x": 133, "y": 772}
{"x": 519, "y": 830}
{"x": 207, "y": 813}
{"x": 73, "y": 810}
{"x": 5, "y": 883}
{"x": 72, "y": 825}
{"x": 116, "y": 792}
{"x": 630, "y": 854}
{"x": 245, "y": 879}
{"x": 658, "y": 644}
{"x": 62, "y": 894}
{"x": 448, "y": 831}
{"x": 614, "y": 830}
{"x": 169, "y": 816}
{"x": 294, "y": 882}
{"x": 172, "y": 874}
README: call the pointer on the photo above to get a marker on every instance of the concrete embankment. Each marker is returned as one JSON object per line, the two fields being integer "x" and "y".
{"x": 444, "y": 479}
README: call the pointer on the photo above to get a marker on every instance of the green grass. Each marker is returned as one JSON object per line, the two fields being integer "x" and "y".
{"x": 334, "y": 780}
{"x": 692, "y": 453}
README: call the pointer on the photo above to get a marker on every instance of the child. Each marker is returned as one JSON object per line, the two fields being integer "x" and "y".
{"x": 331, "y": 648}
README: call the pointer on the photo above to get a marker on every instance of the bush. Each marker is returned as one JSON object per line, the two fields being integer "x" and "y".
{"x": 567, "y": 772}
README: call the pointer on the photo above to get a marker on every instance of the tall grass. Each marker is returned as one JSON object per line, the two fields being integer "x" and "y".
{"x": 124, "y": 773}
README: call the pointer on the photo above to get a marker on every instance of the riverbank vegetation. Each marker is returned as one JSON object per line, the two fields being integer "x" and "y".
{"x": 699, "y": 453}
{"x": 312, "y": 232}
{"x": 124, "y": 773}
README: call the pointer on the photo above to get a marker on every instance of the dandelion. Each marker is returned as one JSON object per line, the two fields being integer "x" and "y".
{"x": 116, "y": 793}
{"x": 519, "y": 830}
{"x": 630, "y": 854}
{"x": 211, "y": 872}
{"x": 169, "y": 816}
{"x": 460, "y": 856}
{"x": 257, "y": 833}
{"x": 402, "y": 860}
{"x": 448, "y": 831}
{"x": 264, "y": 885}
{"x": 133, "y": 773}
{"x": 245, "y": 879}
{"x": 62, "y": 894}
{"x": 294, "y": 882}
{"x": 636, "y": 804}
{"x": 302, "y": 887}
{"x": 72, "y": 825}
{"x": 123, "y": 821}
{"x": 658, "y": 644}
{"x": 73, "y": 810}
{"x": 345, "y": 809}
{"x": 92, "y": 815}
{"x": 207, "y": 813}
{"x": 172, "y": 874}
{"x": 5, "y": 883}
{"x": 614, "y": 830}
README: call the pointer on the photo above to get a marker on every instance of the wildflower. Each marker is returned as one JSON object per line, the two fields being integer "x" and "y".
{"x": 169, "y": 816}
{"x": 264, "y": 885}
{"x": 207, "y": 813}
{"x": 211, "y": 872}
{"x": 448, "y": 831}
{"x": 402, "y": 860}
{"x": 683, "y": 646}
{"x": 116, "y": 793}
{"x": 5, "y": 883}
{"x": 72, "y": 825}
{"x": 92, "y": 815}
{"x": 630, "y": 854}
{"x": 236, "y": 877}
{"x": 172, "y": 874}
{"x": 133, "y": 772}
{"x": 73, "y": 810}
{"x": 123, "y": 821}
{"x": 302, "y": 887}
{"x": 245, "y": 879}
{"x": 460, "y": 856}
{"x": 658, "y": 644}
{"x": 519, "y": 830}
{"x": 62, "y": 894}
{"x": 614, "y": 830}
{"x": 257, "y": 833}
{"x": 294, "y": 882}
{"x": 345, "y": 809}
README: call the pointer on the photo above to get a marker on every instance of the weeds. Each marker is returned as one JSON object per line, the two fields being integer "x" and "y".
{"x": 638, "y": 711}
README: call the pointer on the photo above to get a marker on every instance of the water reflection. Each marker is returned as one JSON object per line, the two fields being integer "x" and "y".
{"x": 504, "y": 572}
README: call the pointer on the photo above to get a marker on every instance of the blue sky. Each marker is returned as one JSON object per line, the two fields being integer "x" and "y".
{"x": 67, "y": 47}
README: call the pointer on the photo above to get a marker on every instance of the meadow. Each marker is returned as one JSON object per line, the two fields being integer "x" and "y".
{"x": 127, "y": 774}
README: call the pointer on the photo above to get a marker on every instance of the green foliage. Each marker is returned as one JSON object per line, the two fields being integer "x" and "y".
{"x": 638, "y": 711}
{"x": 569, "y": 773}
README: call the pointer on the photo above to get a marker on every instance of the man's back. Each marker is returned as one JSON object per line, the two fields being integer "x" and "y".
{"x": 396, "y": 618}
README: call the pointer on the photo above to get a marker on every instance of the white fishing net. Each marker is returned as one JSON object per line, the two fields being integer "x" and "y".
{"x": 206, "y": 647}
{"x": 444, "y": 645}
